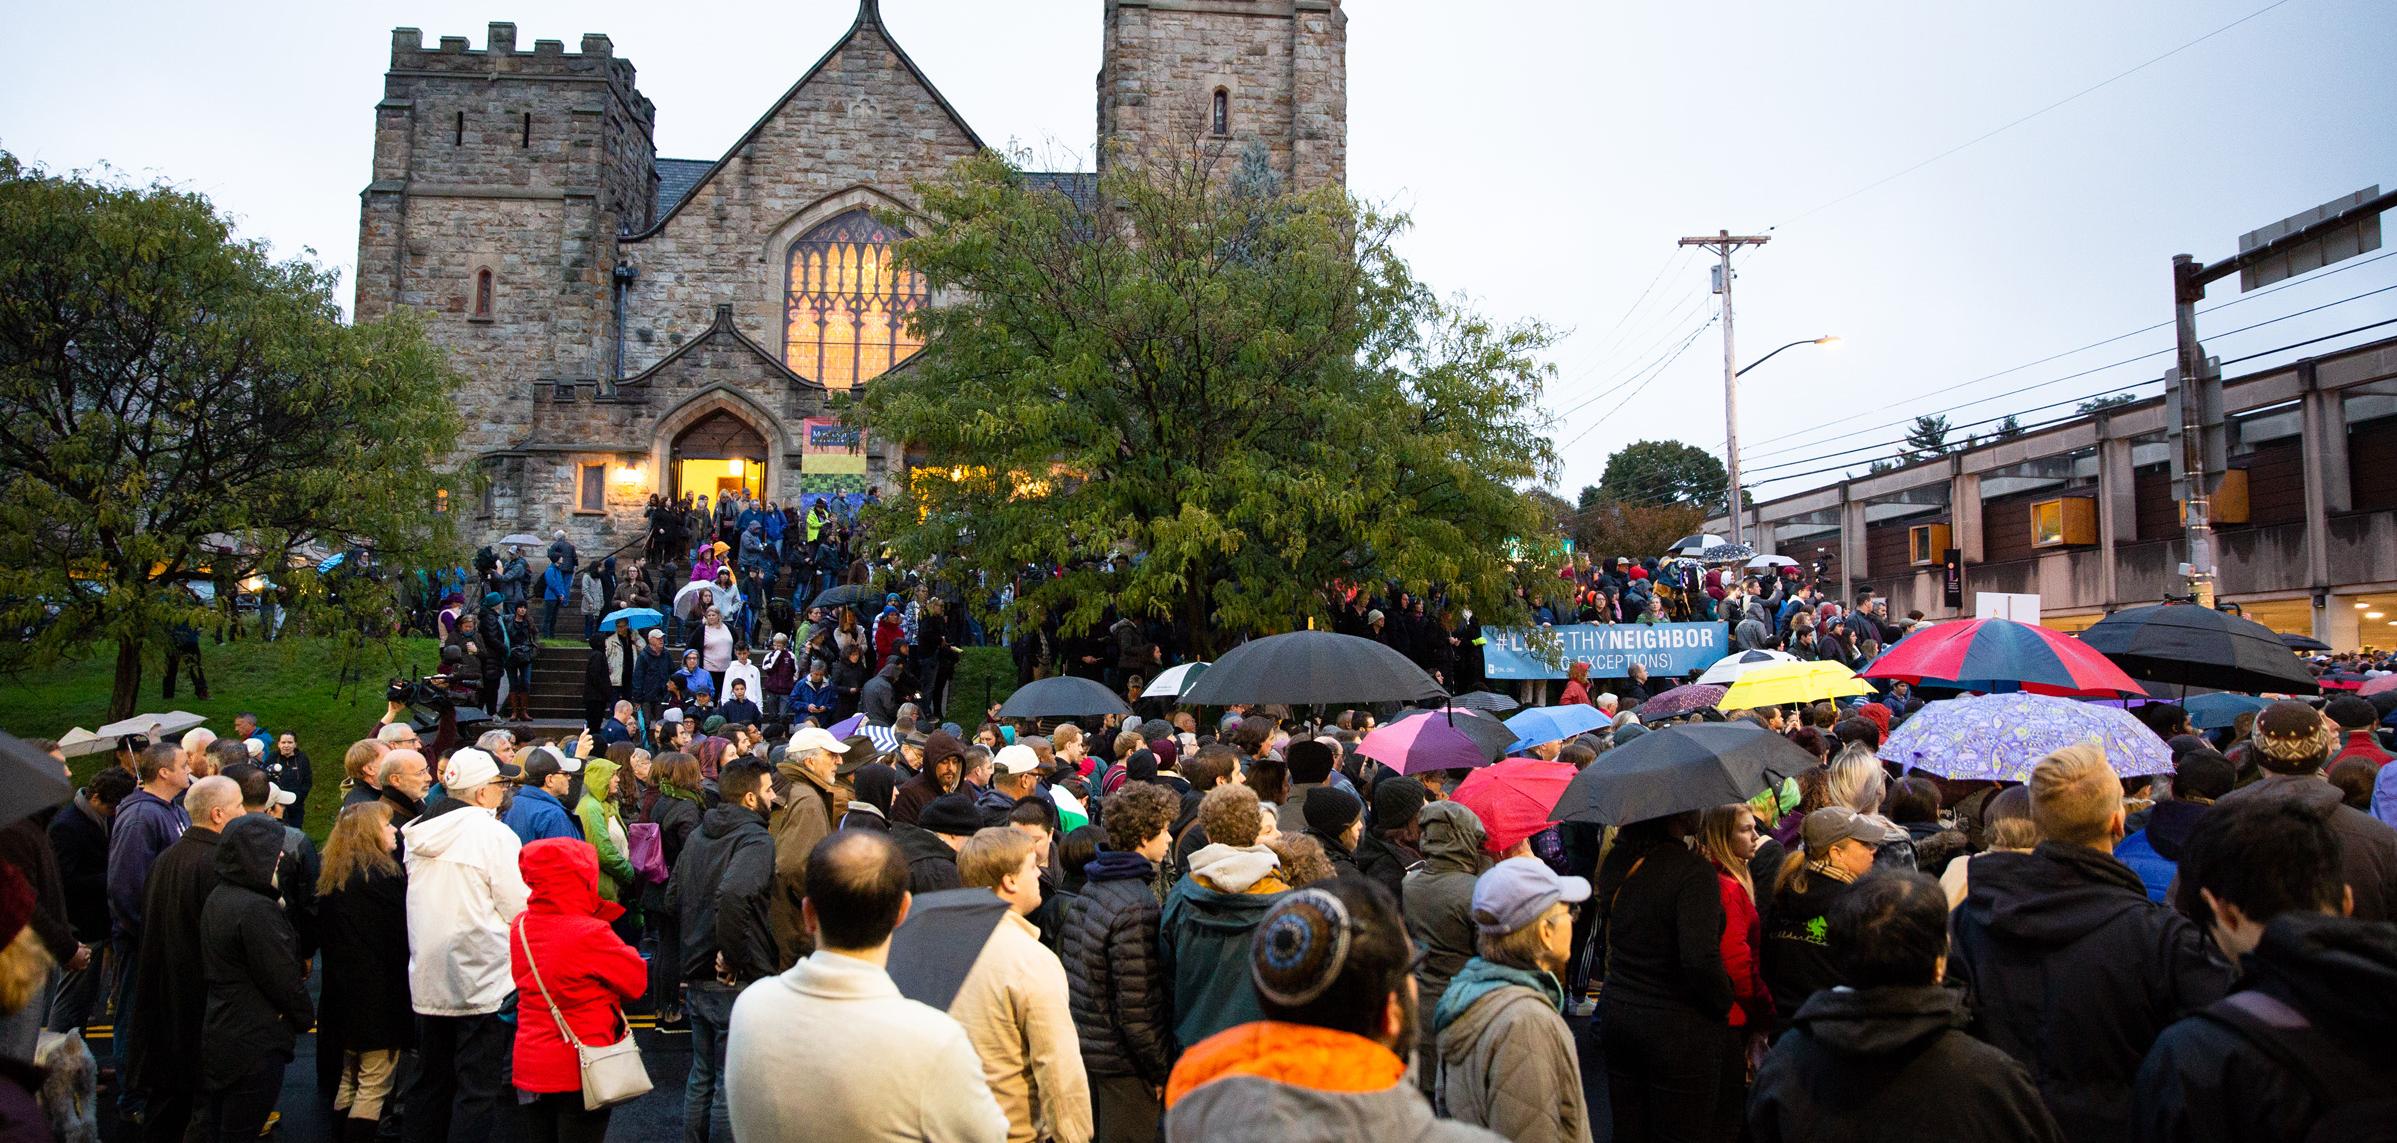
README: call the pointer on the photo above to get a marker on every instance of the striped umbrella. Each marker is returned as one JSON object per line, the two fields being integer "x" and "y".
{"x": 1999, "y": 656}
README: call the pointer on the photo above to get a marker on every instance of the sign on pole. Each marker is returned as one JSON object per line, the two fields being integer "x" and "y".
{"x": 2336, "y": 246}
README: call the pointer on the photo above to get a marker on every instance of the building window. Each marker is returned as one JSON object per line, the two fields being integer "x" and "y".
{"x": 457, "y": 131}
{"x": 1219, "y": 115}
{"x": 591, "y": 492}
{"x": 482, "y": 295}
{"x": 528, "y": 130}
{"x": 845, "y": 317}
{"x": 441, "y": 500}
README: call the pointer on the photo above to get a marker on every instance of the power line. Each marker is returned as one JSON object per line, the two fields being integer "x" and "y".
{"x": 1678, "y": 350}
{"x": 1615, "y": 383}
{"x": 1606, "y": 339}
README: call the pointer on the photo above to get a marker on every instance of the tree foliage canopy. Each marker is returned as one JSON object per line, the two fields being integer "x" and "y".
{"x": 1658, "y": 473}
{"x": 177, "y": 406}
{"x": 1246, "y": 395}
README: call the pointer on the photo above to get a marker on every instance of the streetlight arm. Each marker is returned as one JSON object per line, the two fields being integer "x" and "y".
{"x": 1769, "y": 356}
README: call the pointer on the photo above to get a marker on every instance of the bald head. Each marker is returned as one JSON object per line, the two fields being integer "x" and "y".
{"x": 856, "y": 891}
{"x": 212, "y": 801}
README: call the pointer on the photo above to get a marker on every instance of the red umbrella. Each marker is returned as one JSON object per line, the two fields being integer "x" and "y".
{"x": 1514, "y": 799}
{"x": 2380, "y": 685}
{"x": 1999, "y": 656}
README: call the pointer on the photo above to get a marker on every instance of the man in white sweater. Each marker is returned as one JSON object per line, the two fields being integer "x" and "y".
{"x": 464, "y": 889}
{"x": 829, "y": 1050}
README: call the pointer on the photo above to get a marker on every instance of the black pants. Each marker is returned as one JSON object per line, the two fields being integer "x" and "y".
{"x": 1125, "y": 1110}
{"x": 175, "y": 658}
{"x": 1665, "y": 1071}
{"x": 558, "y": 1117}
{"x": 237, "y": 1112}
{"x": 461, "y": 1065}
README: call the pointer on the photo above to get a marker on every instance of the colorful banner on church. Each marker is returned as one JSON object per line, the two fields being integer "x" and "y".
{"x": 832, "y": 462}
{"x": 1666, "y": 649}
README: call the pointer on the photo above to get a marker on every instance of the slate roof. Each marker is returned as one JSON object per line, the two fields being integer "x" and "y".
{"x": 676, "y": 178}
{"x": 1080, "y": 186}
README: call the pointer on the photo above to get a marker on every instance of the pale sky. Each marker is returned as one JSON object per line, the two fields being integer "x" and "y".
{"x": 1549, "y": 152}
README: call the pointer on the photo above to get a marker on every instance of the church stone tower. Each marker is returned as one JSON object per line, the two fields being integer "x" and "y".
{"x": 1228, "y": 73}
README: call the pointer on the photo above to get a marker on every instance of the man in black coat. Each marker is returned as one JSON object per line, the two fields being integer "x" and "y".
{"x": 2300, "y": 1050}
{"x": 163, "y": 1044}
{"x": 721, "y": 894}
{"x": 2070, "y": 967}
{"x": 79, "y": 836}
{"x": 257, "y": 998}
{"x": 1888, "y": 1057}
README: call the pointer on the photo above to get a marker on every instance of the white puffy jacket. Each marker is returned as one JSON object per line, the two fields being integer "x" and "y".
{"x": 463, "y": 889}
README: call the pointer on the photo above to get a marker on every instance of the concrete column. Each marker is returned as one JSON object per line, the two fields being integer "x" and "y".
{"x": 1964, "y": 515}
{"x": 1851, "y": 545}
{"x": 2117, "y": 511}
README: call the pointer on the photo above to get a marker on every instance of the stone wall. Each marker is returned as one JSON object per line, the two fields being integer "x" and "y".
{"x": 1282, "y": 65}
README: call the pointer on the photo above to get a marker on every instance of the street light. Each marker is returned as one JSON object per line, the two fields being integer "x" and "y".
{"x": 1731, "y": 416}
{"x": 1828, "y": 339}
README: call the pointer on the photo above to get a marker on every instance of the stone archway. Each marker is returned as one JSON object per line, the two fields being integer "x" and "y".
{"x": 718, "y": 453}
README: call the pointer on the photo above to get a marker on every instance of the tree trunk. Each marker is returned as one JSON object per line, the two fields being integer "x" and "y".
{"x": 126, "y": 694}
{"x": 1194, "y": 617}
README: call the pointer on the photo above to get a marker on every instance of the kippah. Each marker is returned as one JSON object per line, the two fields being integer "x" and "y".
{"x": 1301, "y": 947}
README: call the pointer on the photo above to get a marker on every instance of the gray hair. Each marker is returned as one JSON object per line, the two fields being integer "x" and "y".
{"x": 494, "y": 741}
{"x": 392, "y": 764}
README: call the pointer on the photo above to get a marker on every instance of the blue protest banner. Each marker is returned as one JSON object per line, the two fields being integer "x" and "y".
{"x": 1610, "y": 649}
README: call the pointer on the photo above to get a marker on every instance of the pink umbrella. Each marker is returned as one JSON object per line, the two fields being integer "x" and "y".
{"x": 1514, "y": 799}
{"x": 1428, "y": 742}
{"x": 2379, "y": 685}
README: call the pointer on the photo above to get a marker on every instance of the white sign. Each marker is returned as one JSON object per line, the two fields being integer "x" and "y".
{"x": 2002, "y": 605}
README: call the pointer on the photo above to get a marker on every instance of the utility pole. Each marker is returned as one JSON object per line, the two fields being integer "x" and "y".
{"x": 1723, "y": 243}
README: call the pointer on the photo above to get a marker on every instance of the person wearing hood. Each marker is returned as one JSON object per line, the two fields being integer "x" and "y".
{"x": 931, "y": 844}
{"x": 878, "y": 699}
{"x": 536, "y": 811}
{"x": 1117, "y": 982}
{"x": 1386, "y": 851}
{"x": 1507, "y": 1060}
{"x": 943, "y": 773}
{"x": 1887, "y": 1057}
{"x": 464, "y": 888}
{"x": 872, "y": 786}
{"x": 573, "y": 976}
{"x": 805, "y": 784}
{"x": 2293, "y": 743}
{"x": 721, "y": 893}
{"x": 1208, "y": 919}
{"x": 1438, "y": 900}
{"x": 2069, "y": 967}
{"x": 603, "y": 826}
{"x": 1336, "y": 819}
{"x": 162, "y": 1033}
{"x": 257, "y": 998}
{"x": 2299, "y": 1049}
{"x": 1796, "y": 954}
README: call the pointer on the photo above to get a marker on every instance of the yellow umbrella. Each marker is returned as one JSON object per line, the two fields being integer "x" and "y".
{"x": 1776, "y": 683}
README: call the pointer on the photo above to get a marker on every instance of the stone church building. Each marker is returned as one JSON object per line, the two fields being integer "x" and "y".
{"x": 634, "y": 325}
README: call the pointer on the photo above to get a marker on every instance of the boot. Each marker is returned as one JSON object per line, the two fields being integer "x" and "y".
{"x": 356, "y": 1130}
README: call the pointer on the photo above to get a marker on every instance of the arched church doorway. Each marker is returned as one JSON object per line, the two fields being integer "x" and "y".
{"x": 719, "y": 453}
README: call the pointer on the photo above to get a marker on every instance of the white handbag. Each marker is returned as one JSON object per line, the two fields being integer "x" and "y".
{"x": 612, "y": 1073}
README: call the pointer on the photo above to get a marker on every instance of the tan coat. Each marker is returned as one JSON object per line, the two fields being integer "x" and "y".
{"x": 1017, "y": 1011}
{"x": 803, "y": 818}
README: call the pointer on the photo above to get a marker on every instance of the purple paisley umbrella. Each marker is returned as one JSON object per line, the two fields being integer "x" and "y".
{"x": 1999, "y": 737}
{"x": 1680, "y": 701}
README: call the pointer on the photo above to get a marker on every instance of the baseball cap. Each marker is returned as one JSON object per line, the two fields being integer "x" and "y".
{"x": 278, "y": 796}
{"x": 1516, "y": 891}
{"x": 539, "y": 764}
{"x": 1016, "y": 759}
{"x": 469, "y": 767}
{"x": 1828, "y": 826}
{"x": 817, "y": 738}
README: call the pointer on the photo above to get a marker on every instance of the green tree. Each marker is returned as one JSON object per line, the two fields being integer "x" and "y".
{"x": 2006, "y": 429}
{"x": 2099, "y": 404}
{"x": 1656, "y": 473}
{"x": 1927, "y": 439}
{"x": 178, "y": 407}
{"x": 1247, "y": 393}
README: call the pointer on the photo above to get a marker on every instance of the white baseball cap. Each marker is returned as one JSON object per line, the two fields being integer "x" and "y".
{"x": 278, "y": 796}
{"x": 567, "y": 763}
{"x": 817, "y": 738}
{"x": 1016, "y": 759}
{"x": 469, "y": 767}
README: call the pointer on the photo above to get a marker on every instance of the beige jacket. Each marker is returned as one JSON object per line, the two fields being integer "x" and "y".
{"x": 1017, "y": 1011}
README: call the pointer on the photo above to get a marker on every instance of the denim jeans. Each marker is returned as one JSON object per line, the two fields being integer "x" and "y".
{"x": 705, "y": 1115}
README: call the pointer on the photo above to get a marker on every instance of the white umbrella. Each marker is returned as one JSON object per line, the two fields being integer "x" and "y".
{"x": 686, "y": 601}
{"x": 1728, "y": 669}
{"x": 1171, "y": 681}
{"x": 526, "y": 539}
{"x": 1772, "y": 561}
{"x": 1692, "y": 545}
{"x": 157, "y": 727}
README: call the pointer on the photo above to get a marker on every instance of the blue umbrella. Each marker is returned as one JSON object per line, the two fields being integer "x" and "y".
{"x": 2220, "y": 709}
{"x": 640, "y": 617}
{"x": 1554, "y": 724}
{"x": 330, "y": 562}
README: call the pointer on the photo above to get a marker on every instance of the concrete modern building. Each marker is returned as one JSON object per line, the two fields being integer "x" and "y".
{"x": 2083, "y": 513}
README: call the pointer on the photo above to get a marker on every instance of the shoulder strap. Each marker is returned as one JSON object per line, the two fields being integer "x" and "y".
{"x": 526, "y": 943}
{"x": 2291, "y": 1041}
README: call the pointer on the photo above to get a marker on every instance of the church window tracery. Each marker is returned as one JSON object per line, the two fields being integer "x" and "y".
{"x": 845, "y": 314}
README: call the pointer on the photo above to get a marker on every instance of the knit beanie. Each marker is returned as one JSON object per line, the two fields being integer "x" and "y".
{"x": 1330, "y": 810}
{"x": 1395, "y": 801}
{"x": 2292, "y": 737}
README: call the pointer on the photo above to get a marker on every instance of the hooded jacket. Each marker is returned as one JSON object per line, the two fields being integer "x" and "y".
{"x": 1507, "y": 1060}
{"x": 586, "y": 971}
{"x": 1892, "y": 1063}
{"x": 163, "y": 1040}
{"x": 1297, "y": 1083}
{"x": 2367, "y": 845}
{"x": 720, "y": 893}
{"x": 2073, "y": 971}
{"x": 536, "y": 813}
{"x": 1384, "y": 860}
{"x": 931, "y": 864}
{"x": 257, "y": 999}
{"x": 603, "y": 826}
{"x": 463, "y": 889}
{"x": 1437, "y": 899}
{"x": 2213, "y": 1077}
{"x": 1203, "y": 939}
{"x": 878, "y": 699}
{"x": 1109, "y": 946}
{"x": 918, "y": 792}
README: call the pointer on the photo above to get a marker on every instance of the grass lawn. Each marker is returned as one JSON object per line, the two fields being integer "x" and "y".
{"x": 289, "y": 685}
{"x": 984, "y": 676}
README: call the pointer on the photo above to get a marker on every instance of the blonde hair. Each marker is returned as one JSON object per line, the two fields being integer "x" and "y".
{"x": 359, "y": 760}
{"x": 24, "y": 970}
{"x": 2075, "y": 795}
{"x": 1857, "y": 780}
{"x": 991, "y": 855}
{"x": 354, "y": 848}
{"x": 1715, "y": 827}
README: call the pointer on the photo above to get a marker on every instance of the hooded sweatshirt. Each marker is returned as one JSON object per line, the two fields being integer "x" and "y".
{"x": 463, "y": 889}
{"x": 1507, "y": 1060}
{"x": 1203, "y": 941}
{"x": 603, "y": 827}
{"x": 257, "y": 1000}
{"x": 1892, "y": 1063}
{"x": 1438, "y": 902}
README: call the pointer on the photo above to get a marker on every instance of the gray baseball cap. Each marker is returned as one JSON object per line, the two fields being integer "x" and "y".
{"x": 1826, "y": 827}
{"x": 1516, "y": 891}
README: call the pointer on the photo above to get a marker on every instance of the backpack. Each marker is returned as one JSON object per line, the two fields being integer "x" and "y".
{"x": 2353, "y": 1101}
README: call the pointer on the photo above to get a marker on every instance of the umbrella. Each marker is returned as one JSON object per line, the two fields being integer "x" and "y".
{"x": 1064, "y": 696}
{"x": 1414, "y": 745}
{"x": 2381, "y": 685}
{"x": 1311, "y": 668}
{"x": 848, "y": 595}
{"x": 1173, "y": 680}
{"x": 2304, "y": 642}
{"x": 1728, "y": 669}
{"x": 1490, "y": 701}
{"x": 1692, "y": 545}
{"x": 1514, "y": 799}
{"x": 1774, "y": 684}
{"x": 1726, "y": 553}
{"x": 640, "y": 617}
{"x": 34, "y": 781}
{"x": 1678, "y": 769}
{"x": 520, "y": 539}
{"x": 884, "y": 738}
{"x": 1493, "y": 736}
{"x": 686, "y": 601}
{"x": 2220, "y": 709}
{"x": 330, "y": 562}
{"x": 1554, "y": 724}
{"x": 1768, "y": 561}
{"x": 2199, "y": 646}
{"x": 847, "y": 726}
{"x": 1999, "y": 737}
{"x": 1999, "y": 655}
{"x": 1680, "y": 701}
{"x": 156, "y": 727}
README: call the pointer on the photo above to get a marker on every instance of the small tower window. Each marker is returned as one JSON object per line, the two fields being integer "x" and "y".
{"x": 1219, "y": 114}
{"x": 457, "y": 131}
{"x": 528, "y": 130}
{"x": 482, "y": 295}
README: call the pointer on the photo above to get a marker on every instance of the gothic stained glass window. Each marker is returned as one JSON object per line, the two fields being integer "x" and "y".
{"x": 845, "y": 319}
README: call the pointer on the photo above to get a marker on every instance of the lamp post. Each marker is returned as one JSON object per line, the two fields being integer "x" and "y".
{"x": 1731, "y": 442}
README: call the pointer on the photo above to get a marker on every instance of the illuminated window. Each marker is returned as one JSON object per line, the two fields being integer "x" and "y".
{"x": 845, "y": 321}
{"x": 1219, "y": 118}
{"x": 482, "y": 295}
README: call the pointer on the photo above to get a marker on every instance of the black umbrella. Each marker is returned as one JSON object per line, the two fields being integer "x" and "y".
{"x": 2304, "y": 642}
{"x": 849, "y": 595}
{"x": 1678, "y": 769}
{"x": 30, "y": 780}
{"x": 2200, "y": 647}
{"x": 1486, "y": 732}
{"x": 1490, "y": 701}
{"x": 1311, "y": 668}
{"x": 1063, "y": 697}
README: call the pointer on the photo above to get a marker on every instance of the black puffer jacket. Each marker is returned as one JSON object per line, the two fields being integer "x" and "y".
{"x": 1109, "y": 946}
{"x": 2072, "y": 970}
{"x": 1892, "y": 1063}
{"x": 257, "y": 996}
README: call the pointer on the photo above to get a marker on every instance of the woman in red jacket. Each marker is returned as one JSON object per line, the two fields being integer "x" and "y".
{"x": 1577, "y": 685}
{"x": 585, "y": 972}
{"x": 1727, "y": 836}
